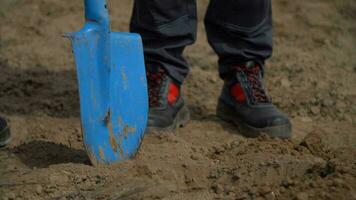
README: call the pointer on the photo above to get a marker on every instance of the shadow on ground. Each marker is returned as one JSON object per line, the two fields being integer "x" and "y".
{"x": 42, "y": 154}
{"x": 38, "y": 91}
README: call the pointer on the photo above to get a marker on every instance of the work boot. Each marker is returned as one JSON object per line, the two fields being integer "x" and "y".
{"x": 245, "y": 103}
{"x": 4, "y": 133}
{"x": 167, "y": 110}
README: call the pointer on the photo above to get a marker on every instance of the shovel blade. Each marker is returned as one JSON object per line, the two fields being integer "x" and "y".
{"x": 113, "y": 92}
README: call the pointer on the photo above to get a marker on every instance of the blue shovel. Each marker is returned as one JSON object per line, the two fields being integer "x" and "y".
{"x": 112, "y": 87}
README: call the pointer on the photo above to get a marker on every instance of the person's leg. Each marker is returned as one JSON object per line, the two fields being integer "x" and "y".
{"x": 166, "y": 27}
{"x": 241, "y": 35}
{"x": 239, "y": 31}
{"x": 4, "y": 132}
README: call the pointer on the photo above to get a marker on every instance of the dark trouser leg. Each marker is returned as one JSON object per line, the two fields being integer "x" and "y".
{"x": 166, "y": 27}
{"x": 239, "y": 31}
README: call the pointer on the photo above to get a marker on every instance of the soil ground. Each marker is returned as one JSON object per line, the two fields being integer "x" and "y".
{"x": 311, "y": 77}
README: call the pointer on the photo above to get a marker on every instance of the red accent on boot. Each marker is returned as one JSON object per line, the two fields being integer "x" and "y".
{"x": 237, "y": 92}
{"x": 173, "y": 93}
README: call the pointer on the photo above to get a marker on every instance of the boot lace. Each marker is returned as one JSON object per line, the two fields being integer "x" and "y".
{"x": 155, "y": 81}
{"x": 257, "y": 90}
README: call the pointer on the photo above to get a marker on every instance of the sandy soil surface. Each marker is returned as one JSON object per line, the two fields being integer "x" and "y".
{"x": 311, "y": 77}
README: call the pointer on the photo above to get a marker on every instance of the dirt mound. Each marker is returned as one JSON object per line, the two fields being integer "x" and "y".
{"x": 311, "y": 77}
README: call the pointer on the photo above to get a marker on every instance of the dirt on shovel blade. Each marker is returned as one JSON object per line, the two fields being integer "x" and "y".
{"x": 311, "y": 77}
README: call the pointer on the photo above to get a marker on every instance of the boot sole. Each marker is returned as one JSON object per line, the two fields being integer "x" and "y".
{"x": 225, "y": 113}
{"x": 182, "y": 118}
{"x": 5, "y": 137}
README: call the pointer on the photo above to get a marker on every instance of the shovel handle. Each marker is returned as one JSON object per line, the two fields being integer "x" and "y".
{"x": 97, "y": 11}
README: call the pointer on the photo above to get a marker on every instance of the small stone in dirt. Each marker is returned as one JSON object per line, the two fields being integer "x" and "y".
{"x": 315, "y": 110}
{"x": 39, "y": 189}
{"x": 314, "y": 101}
{"x": 237, "y": 143}
{"x": 189, "y": 179}
{"x": 302, "y": 196}
{"x": 287, "y": 183}
{"x": 327, "y": 103}
{"x": 218, "y": 189}
{"x": 11, "y": 196}
{"x": 213, "y": 174}
{"x": 218, "y": 150}
{"x": 50, "y": 189}
{"x": 264, "y": 190}
{"x": 270, "y": 196}
{"x": 333, "y": 93}
{"x": 306, "y": 119}
{"x": 313, "y": 142}
{"x": 236, "y": 175}
{"x": 213, "y": 79}
{"x": 285, "y": 83}
{"x": 253, "y": 191}
{"x": 194, "y": 157}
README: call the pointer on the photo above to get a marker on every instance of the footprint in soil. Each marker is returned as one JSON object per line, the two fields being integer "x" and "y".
{"x": 42, "y": 154}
